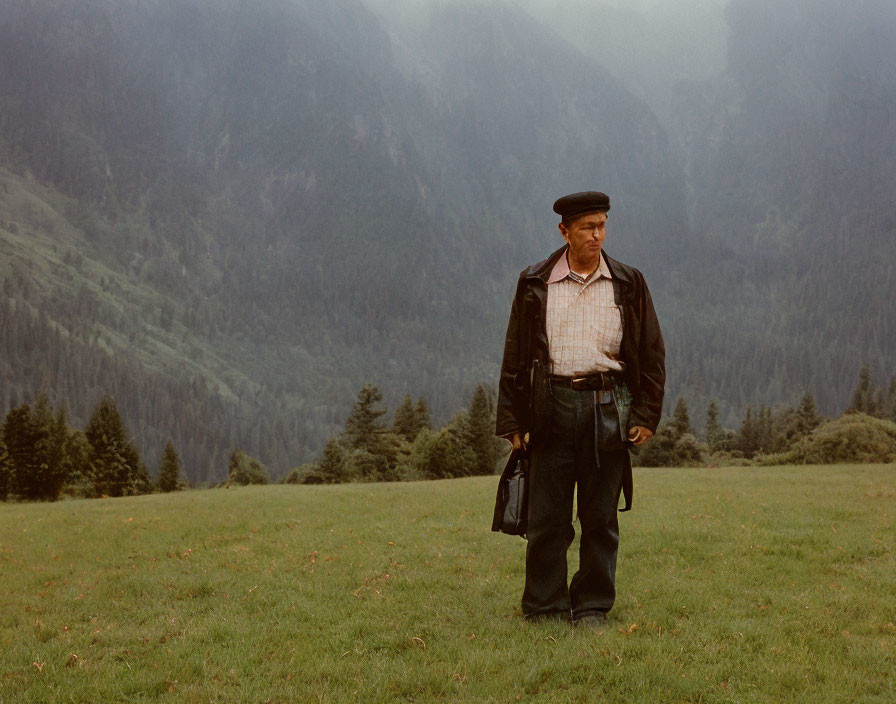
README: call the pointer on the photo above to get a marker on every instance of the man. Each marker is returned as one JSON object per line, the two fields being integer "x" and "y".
{"x": 582, "y": 380}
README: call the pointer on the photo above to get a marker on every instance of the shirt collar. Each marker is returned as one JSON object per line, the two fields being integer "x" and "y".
{"x": 561, "y": 270}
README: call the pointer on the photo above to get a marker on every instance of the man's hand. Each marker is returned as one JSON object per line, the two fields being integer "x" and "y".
{"x": 639, "y": 434}
{"x": 518, "y": 441}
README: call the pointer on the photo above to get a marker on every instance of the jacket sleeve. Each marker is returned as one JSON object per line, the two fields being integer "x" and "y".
{"x": 647, "y": 406}
{"x": 513, "y": 386}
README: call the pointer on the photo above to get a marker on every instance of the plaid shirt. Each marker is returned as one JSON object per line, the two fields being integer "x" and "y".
{"x": 584, "y": 324}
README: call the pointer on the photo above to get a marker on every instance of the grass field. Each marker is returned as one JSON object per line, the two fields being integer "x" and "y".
{"x": 735, "y": 585}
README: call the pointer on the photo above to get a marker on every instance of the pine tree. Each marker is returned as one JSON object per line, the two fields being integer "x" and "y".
{"x": 680, "y": 424}
{"x": 115, "y": 465}
{"x": 747, "y": 435}
{"x": 715, "y": 434}
{"x": 447, "y": 455}
{"x": 22, "y": 437}
{"x": 764, "y": 430}
{"x": 245, "y": 470}
{"x": 36, "y": 449}
{"x": 54, "y": 431}
{"x": 139, "y": 481}
{"x": 363, "y": 427}
{"x": 331, "y": 465}
{"x": 234, "y": 467}
{"x": 406, "y": 422}
{"x": 864, "y": 399}
{"x": 807, "y": 417}
{"x": 423, "y": 419}
{"x": 479, "y": 432}
{"x": 77, "y": 455}
{"x": 169, "y": 469}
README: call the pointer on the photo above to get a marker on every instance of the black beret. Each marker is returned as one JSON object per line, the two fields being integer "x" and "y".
{"x": 580, "y": 203}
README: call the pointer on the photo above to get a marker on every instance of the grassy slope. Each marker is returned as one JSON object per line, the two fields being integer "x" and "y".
{"x": 44, "y": 234}
{"x": 735, "y": 585}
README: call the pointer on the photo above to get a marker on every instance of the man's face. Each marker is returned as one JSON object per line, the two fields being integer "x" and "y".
{"x": 586, "y": 235}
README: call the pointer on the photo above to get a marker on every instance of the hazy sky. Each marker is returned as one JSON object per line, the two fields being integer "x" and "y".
{"x": 650, "y": 45}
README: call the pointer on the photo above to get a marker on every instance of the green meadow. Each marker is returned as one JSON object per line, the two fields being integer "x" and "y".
{"x": 772, "y": 584}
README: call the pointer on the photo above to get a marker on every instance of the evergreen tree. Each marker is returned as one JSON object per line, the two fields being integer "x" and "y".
{"x": 447, "y": 455}
{"x": 764, "y": 430}
{"x": 366, "y": 466}
{"x": 715, "y": 434}
{"x": 169, "y": 469}
{"x": 406, "y": 423}
{"x": 36, "y": 449}
{"x": 139, "y": 481}
{"x": 423, "y": 419}
{"x": 54, "y": 431}
{"x": 746, "y": 434}
{"x": 234, "y": 466}
{"x": 793, "y": 424}
{"x": 78, "y": 476}
{"x": 373, "y": 449}
{"x": 331, "y": 465}
{"x": 115, "y": 465}
{"x": 363, "y": 427}
{"x": 806, "y": 415}
{"x": 245, "y": 470}
{"x": 681, "y": 423}
{"x": 479, "y": 432}
{"x": 22, "y": 438}
{"x": 864, "y": 399}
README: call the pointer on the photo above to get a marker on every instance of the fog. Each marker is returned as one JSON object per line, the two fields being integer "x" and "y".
{"x": 202, "y": 154}
{"x": 649, "y": 45}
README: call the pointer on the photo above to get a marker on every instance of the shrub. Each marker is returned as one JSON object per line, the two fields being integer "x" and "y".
{"x": 854, "y": 437}
{"x": 307, "y": 473}
{"x": 245, "y": 470}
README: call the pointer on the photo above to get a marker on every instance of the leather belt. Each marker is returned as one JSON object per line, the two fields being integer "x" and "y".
{"x": 595, "y": 380}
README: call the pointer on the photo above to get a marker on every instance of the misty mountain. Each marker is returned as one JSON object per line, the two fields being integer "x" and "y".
{"x": 789, "y": 157}
{"x": 263, "y": 205}
{"x": 650, "y": 45}
{"x": 231, "y": 216}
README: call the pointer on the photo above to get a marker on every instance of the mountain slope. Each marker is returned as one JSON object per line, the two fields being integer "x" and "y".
{"x": 268, "y": 207}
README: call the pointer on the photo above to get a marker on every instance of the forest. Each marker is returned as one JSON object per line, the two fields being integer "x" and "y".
{"x": 43, "y": 458}
{"x": 230, "y": 218}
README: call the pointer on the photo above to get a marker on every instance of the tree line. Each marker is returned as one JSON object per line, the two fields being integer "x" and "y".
{"x": 43, "y": 458}
{"x": 409, "y": 448}
{"x": 865, "y": 432}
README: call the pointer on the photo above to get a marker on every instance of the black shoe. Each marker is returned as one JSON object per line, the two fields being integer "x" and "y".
{"x": 595, "y": 620}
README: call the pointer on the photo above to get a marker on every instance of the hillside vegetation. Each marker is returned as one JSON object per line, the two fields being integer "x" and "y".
{"x": 230, "y": 216}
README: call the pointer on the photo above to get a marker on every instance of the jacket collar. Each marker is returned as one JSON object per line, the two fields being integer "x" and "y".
{"x": 543, "y": 269}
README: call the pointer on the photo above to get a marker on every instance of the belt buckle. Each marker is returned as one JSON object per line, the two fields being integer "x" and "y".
{"x": 575, "y": 381}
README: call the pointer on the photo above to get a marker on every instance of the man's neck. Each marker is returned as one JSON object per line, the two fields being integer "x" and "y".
{"x": 582, "y": 268}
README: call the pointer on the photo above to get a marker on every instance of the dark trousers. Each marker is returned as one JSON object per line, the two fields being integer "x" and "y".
{"x": 567, "y": 456}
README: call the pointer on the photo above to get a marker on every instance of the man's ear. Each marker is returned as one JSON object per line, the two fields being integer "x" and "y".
{"x": 563, "y": 230}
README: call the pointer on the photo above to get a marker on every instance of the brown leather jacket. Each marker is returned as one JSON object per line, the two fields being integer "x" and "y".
{"x": 523, "y": 393}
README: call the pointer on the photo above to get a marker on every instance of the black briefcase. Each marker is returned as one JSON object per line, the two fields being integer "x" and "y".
{"x": 512, "y": 502}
